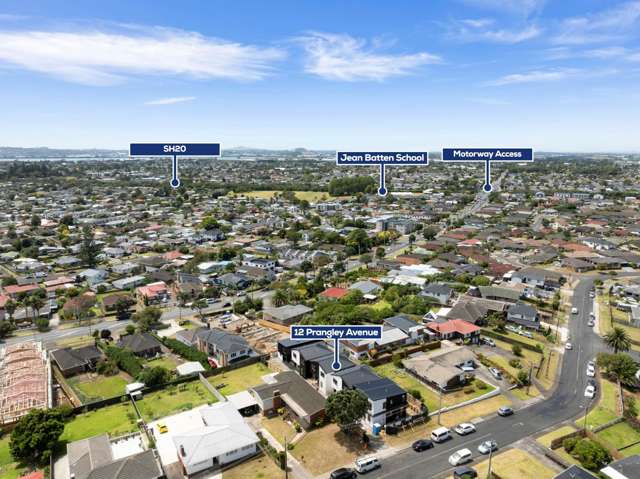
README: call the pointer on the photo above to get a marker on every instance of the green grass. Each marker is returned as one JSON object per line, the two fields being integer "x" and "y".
{"x": 165, "y": 362}
{"x": 8, "y": 468}
{"x": 548, "y": 438}
{"x": 116, "y": 420}
{"x": 380, "y": 305}
{"x": 606, "y": 410}
{"x": 620, "y": 435}
{"x": 240, "y": 379}
{"x": 173, "y": 400}
{"x": 102, "y": 387}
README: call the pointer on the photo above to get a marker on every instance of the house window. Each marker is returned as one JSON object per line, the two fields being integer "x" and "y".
{"x": 335, "y": 382}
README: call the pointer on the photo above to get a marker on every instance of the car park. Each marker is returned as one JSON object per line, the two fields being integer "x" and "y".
{"x": 422, "y": 445}
{"x": 487, "y": 446}
{"x": 343, "y": 473}
{"x": 464, "y": 428}
{"x": 461, "y": 456}
{"x": 590, "y": 392}
{"x": 505, "y": 411}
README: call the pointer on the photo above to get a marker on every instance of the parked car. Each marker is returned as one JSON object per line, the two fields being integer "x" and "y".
{"x": 496, "y": 373}
{"x": 505, "y": 411}
{"x": 162, "y": 428}
{"x": 591, "y": 371}
{"x": 343, "y": 473}
{"x": 464, "y": 428}
{"x": 591, "y": 364}
{"x": 465, "y": 472}
{"x": 568, "y": 346}
{"x": 592, "y": 294}
{"x": 440, "y": 435}
{"x": 591, "y": 323}
{"x": 574, "y": 310}
{"x": 487, "y": 446}
{"x": 488, "y": 341}
{"x": 366, "y": 464}
{"x": 422, "y": 445}
{"x": 592, "y": 382}
{"x": 590, "y": 392}
{"x": 461, "y": 456}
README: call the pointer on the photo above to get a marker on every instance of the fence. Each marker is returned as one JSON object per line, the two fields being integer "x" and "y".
{"x": 211, "y": 388}
{"x": 388, "y": 357}
{"x": 68, "y": 390}
{"x": 507, "y": 339}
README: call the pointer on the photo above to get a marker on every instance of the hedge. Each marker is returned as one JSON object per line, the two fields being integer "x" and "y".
{"x": 125, "y": 359}
{"x": 187, "y": 352}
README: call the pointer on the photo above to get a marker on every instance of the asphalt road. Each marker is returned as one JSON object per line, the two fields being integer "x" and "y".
{"x": 567, "y": 402}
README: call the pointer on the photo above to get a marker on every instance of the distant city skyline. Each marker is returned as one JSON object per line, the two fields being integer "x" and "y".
{"x": 558, "y": 76}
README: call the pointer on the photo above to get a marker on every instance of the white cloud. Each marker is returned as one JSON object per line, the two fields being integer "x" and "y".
{"x": 171, "y": 100}
{"x": 522, "y": 7}
{"x": 103, "y": 58}
{"x": 535, "y": 76}
{"x": 482, "y": 29}
{"x": 606, "y": 25}
{"x": 342, "y": 57}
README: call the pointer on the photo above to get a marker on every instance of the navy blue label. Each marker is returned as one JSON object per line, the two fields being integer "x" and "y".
{"x": 487, "y": 154}
{"x": 170, "y": 149}
{"x": 301, "y": 331}
{"x": 382, "y": 158}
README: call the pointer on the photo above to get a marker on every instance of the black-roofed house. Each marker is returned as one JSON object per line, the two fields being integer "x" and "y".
{"x": 575, "y": 472}
{"x": 295, "y": 394}
{"x": 223, "y": 347}
{"x": 524, "y": 315}
{"x": 415, "y": 331}
{"x": 76, "y": 361}
{"x": 286, "y": 347}
{"x": 627, "y": 468}
{"x": 141, "y": 344}
{"x": 305, "y": 359}
{"x": 93, "y": 458}
{"x": 440, "y": 292}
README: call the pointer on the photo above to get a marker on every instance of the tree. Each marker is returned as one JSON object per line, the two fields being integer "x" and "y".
{"x": 89, "y": 249}
{"x": 35, "y": 436}
{"x": 517, "y": 350}
{"x": 380, "y": 252}
{"x": 429, "y": 233}
{"x": 279, "y": 298}
{"x": 42, "y": 324}
{"x": 621, "y": 367}
{"x": 10, "y": 307}
{"x": 591, "y": 454}
{"x": 347, "y": 407}
{"x": 6, "y": 328}
{"x": 147, "y": 318}
{"x": 122, "y": 306}
{"x": 523, "y": 378}
{"x": 130, "y": 329}
{"x": 154, "y": 376}
{"x": 618, "y": 340}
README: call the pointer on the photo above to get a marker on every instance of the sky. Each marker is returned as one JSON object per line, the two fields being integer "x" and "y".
{"x": 555, "y": 75}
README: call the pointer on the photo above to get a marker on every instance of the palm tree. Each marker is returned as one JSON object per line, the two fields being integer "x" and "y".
{"x": 279, "y": 298}
{"x": 618, "y": 340}
{"x": 37, "y": 303}
{"x": 10, "y": 307}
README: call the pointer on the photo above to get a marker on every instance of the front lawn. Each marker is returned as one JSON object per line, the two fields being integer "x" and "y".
{"x": 548, "y": 438}
{"x": 515, "y": 463}
{"x": 279, "y": 429}
{"x": 607, "y": 408}
{"x": 116, "y": 420}
{"x": 261, "y": 467}
{"x": 620, "y": 435}
{"x": 240, "y": 379}
{"x": 92, "y": 387}
{"x": 173, "y": 400}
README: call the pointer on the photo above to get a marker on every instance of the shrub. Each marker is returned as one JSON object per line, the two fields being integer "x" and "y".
{"x": 569, "y": 443}
{"x": 469, "y": 390}
{"x": 416, "y": 394}
{"x": 297, "y": 427}
{"x": 515, "y": 363}
{"x": 523, "y": 378}
{"x": 187, "y": 352}
{"x": 481, "y": 385}
{"x": 517, "y": 350}
{"x": 591, "y": 454}
{"x": 125, "y": 359}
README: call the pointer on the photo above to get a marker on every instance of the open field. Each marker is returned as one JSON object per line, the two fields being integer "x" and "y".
{"x": 92, "y": 387}
{"x": 321, "y": 449}
{"x": 515, "y": 464}
{"x": 261, "y": 467}
{"x": 240, "y": 379}
{"x": 174, "y": 399}
{"x": 116, "y": 420}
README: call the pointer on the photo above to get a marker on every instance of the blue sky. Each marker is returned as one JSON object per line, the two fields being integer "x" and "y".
{"x": 413, "y": 75}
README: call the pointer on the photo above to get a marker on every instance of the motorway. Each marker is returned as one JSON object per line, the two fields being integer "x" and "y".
{"x": 567, "y": 402}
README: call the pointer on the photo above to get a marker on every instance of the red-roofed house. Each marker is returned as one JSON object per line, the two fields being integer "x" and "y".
{"x": 33, "y": 475}
{"x": 334, "y": 293}
{"x": 14, "y": 289}
{"x": 172, "y": 255}
{"x": 153, "y": 293}
{"x": 470, "y": 242}
{"x": 456, "y": 329}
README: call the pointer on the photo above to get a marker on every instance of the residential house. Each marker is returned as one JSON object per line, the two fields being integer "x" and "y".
{"x": 141, "y": 344}
{"x": 440, "y": 292}
{"x": 627, "y": 468}
{"x": 222, "y": 347}
{"x": 287, "y": 314}
{"x": 415, "y": 332}
{"x": 153, "y": 293}
{"x": 524, "y": 315}
{"x": 93, "y": 276}
{"x": 456, "y": 329}
{"x": 75, "y": 361}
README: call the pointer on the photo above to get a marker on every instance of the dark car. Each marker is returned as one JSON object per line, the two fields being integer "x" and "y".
{"x": 592, "y": 382}
{"x": 422, "y": 445}
{"x": 465, "y": 472}
{"x": 505, "y": 411}
{"x": 343, "y": 473}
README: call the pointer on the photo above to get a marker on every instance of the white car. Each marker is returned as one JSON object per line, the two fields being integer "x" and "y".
{"x": 592, "y": 294}
{"x": 568, "y": 346}
{"x": 487, "y": 446}
{"x": 591, "y": 371}
{"x": 591, "y": 364}
{"x": 591, "y": 323}
{"x": 590, "y": 392}
{"x": 460, "y": 457}
{"x": 464, "y": 428}
{"x": 574, "y": 310}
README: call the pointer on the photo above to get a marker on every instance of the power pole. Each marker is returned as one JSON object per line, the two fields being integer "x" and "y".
{"x": 490, "y": 457}
{"x": 286, "y": 467}
{"x": 440, "y": 406}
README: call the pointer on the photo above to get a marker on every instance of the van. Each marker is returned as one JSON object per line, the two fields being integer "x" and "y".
{"x": 366, "y": 464}
{"x": 440, "y": 435}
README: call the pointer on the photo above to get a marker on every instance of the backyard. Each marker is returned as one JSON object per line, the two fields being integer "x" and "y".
{"x": 116, "y": 420}
{"x": 93, "y": 387}
{"x": 239, "y": 379}
{"x": 166, "y": 361}
{"x": 621, "y": 435}
{"x": 174, "y": 399}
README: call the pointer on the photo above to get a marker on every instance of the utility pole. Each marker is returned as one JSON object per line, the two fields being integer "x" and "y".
{"x": 490, "y": 457}
{"x": 586, "y": 410}
{"x": 440, "y": 406}
{"x": 286, "y": 467}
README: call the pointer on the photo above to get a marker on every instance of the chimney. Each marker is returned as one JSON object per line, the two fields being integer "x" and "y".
{"x": 183, "y": 453}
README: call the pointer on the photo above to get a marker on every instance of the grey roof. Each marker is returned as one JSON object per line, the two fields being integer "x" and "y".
{"x": 437, "y": 289}
{"x": 315, "y": 351}
{"x": 629, "y": 467}
{"x": 498, "y": 292}
{"x": 227, "y": 342}
{"x": 522, "y": 309}
{"x": 68, "y": 358}
{"x": 401, "y": 322}
{"x": 365, "y": 287}
{"x": 139, "y": 466}
{"x": 289, "y": 384}
{"x": 138, "y": 342}
{"x": 288, "y": 311}
{"x": 575, "y": 472}
{"x": 372, "y": 385}
{"x": 87, "y": 454}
